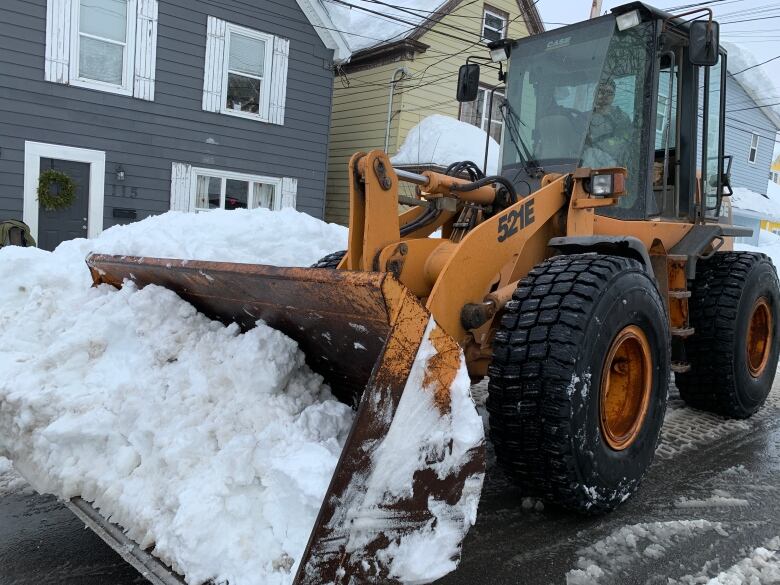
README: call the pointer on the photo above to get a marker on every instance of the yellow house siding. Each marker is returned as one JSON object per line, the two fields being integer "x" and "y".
{"x": 360, "y": 110}
{"x": 358, "y": 123}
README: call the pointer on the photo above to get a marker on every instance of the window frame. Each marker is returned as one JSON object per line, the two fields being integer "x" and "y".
{"x": 224, "y": 176}
{"x": 128, "y": 63}
{"x": 265, "y": 106}
{"x": 753, "y": 150}
{"x": 487, "y": 8}
{"x": 483, "y": 121}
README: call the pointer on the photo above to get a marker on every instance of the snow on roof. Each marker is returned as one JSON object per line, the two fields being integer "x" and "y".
{"x": 754, "y": 81}
{"x": 441, "y": 140}
{"x": 364, "y": 29}
{"x": 767, "y": 207}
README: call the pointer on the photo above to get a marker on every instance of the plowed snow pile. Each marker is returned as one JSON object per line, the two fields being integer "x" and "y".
{"x": 213, "y": 445}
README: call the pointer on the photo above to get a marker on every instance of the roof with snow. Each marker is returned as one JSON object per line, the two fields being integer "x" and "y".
{"x": 754, "y": 81}
{"x": 367, "y": 24}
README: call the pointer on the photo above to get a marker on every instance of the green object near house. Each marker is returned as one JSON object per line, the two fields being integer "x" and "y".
{"x": 15, "y": 233}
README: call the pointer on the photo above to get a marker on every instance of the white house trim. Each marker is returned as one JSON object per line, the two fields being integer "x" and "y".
{"x": 34, "y": 152}
{"x": 328, "y": 32}
{"x": 277, "y": 182}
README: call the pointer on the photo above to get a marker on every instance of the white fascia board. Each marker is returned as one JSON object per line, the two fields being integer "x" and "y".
{"x": 328, "y": 32}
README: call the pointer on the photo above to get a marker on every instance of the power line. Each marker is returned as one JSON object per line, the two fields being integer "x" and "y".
{"x": 756, "y": 65}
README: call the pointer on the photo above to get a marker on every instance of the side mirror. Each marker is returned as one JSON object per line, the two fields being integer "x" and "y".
{"x": 703, "y": 43}
{"x": 468, "y": 82}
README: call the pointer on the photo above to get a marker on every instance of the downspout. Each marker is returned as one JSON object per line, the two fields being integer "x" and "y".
{"x": 393, "y": 81}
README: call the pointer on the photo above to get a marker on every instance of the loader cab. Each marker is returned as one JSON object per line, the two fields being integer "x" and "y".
{"x": 621, "y": 90}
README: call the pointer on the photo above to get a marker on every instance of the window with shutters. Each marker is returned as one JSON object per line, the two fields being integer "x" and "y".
{"x": 245, "y": 72}
{"x": 753, "y": 153}
{"x": 108, "y": 45}
{"x": 103, "y": 43}
{"x": 493, "y": 24}
{"x": 214, "y": 189}
{"x": 245, "y": 87}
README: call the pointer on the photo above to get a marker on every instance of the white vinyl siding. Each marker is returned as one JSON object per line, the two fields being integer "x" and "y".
{"x": 109, "y": 46}
{"x": 753, "y": 153}
{"x": 245, "y": 72}
{"x": 203, "y": 189}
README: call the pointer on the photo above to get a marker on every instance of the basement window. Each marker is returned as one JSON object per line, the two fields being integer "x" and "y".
{"x": 214, "y": 189}
{"x": 493, "y": 24}
{"x": 753, "y": 154}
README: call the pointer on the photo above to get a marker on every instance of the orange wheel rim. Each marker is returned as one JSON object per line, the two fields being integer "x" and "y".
{"x": 626, "y": 385}
{"x": 759, "y": 337}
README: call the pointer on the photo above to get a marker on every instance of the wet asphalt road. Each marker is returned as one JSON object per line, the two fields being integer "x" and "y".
{"x": 724, "y": 472}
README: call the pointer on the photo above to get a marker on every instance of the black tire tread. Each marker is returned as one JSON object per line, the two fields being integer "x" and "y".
{"x": 714, "y": 304}
{"x": 332, "y": 260}
{"x": 534, "y": 355}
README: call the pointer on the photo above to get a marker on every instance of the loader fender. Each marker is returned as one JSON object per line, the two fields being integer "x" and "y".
{"x": 625, "y": 246}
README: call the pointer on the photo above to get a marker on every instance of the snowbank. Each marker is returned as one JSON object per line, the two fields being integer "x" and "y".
{"x": 442, "y": 140}
{"x": 767, "y": 207}
{"x": 768, "y": 243}
{"x": 10, "y": 481}
{"x": 214, "y": 446}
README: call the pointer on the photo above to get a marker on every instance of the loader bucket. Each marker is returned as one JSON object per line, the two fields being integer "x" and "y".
{"x": 399, "y": 476}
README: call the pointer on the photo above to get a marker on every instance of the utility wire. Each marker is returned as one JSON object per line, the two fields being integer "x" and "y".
{"x": 756, "y": 65}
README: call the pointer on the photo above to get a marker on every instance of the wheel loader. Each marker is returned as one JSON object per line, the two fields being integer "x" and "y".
{"x": 579, "y": 279}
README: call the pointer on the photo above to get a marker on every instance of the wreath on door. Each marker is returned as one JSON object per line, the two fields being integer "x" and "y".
{"x": 62, "y": 197}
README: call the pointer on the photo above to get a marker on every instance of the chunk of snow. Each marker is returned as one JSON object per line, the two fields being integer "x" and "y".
{"x": 767, "y": 207}
{"x": 441, "y": 140}
{"x": 760, "y": 567}
{"x": 10, "y": 481}
{"x": 629, "y": 544}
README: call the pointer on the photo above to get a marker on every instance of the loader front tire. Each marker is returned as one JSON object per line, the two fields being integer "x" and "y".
{"x": 734, "y": 349}
{"x": 332, "y": 260}
{"x": 579, "y": 380}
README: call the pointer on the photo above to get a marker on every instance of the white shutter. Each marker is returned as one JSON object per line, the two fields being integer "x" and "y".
{"x": 289, "y": 192}
{"x": 181, "y": 176}
{"x": 58, "y": 24}
{"x": 279, "y": 80}
{"x": 145, "y": 50}
{"x": 214, "y": 73}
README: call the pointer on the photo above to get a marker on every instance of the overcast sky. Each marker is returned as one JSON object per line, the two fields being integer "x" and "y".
{"x": 760, "y": 35}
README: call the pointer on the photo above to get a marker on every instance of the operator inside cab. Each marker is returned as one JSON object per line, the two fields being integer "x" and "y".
{"x": 610, "y": 129}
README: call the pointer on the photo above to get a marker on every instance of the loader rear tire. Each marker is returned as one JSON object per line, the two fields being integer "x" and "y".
{"x": 734, "y": 349}
{"x": 581, "y": 331}
{"x": 331, "y": 260}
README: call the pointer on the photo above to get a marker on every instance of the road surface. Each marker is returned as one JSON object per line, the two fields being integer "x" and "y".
{"x": 708, "y": 502}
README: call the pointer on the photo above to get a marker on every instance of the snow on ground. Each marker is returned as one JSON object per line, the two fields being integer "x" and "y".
{"x": 760, "y": 567}
{"x": 718, "y": 499}
{"x": 768, "y": 207}
{"x": 10, "y": 481}
{"x": 622, "y": 547}
{"x": 214, "y": 446}
{"x": 442, "y": 140}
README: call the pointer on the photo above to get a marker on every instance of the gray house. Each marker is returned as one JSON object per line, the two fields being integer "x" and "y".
{"x": 750, "y": 132}
{"x": 152, "y": 105}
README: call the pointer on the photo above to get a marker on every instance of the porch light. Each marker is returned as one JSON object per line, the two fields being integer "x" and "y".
{"x": 120, "y": 173}
{"x": 628, "y": 20}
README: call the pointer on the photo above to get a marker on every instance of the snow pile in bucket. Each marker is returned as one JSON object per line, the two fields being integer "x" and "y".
{"x": 213, "y": 445}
